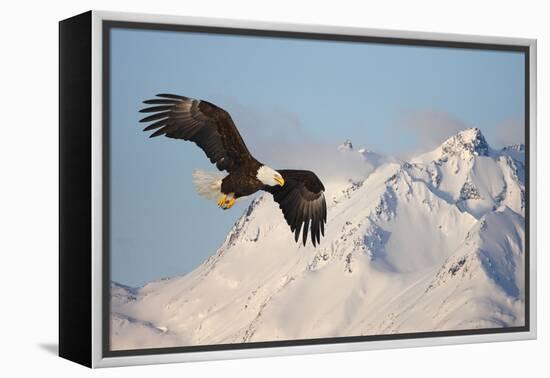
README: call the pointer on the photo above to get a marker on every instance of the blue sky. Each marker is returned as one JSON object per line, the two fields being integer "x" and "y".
{"x": 283, "y": 94}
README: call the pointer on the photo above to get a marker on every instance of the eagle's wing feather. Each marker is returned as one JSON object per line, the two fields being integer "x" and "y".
{"x": 209, "y": 126}
{"x": 302, "y": 201}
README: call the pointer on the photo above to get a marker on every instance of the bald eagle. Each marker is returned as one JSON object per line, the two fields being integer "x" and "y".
{"x": 299, "y": 193}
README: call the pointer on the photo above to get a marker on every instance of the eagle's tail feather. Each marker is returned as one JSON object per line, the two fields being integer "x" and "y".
{"x": 208, "y": 184}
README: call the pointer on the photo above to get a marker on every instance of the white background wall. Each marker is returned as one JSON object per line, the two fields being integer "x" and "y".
{"x": 28, "y": 184}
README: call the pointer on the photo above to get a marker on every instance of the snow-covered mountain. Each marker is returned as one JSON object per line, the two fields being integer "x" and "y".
{"x": 436, "y": 243}
{"x": 346, "y": 146}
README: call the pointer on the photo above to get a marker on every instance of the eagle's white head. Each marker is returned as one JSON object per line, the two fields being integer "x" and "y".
{"x": 269, "y": 176}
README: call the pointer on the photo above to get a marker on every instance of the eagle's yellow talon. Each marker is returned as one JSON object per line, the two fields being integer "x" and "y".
{"x": 230, "y": 204}
{"x": 222, "y": 200}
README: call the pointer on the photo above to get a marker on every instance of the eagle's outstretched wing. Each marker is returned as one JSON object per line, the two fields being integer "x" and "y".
{"x": 209, "y": 126}
{"x": 302, "y": 201}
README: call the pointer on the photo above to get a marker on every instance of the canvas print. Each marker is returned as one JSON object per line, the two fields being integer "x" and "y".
{"x": 274, "y": 189}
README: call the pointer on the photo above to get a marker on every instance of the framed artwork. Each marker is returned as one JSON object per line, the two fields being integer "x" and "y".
{"x": 232, "y": 189}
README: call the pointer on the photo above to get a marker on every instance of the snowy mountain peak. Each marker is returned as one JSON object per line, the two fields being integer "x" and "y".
{"x": 515, "y": 147}
{"x": 346, "y": 146}
{"x": 238, "y": 231}
{"x": 466, "y": 143}
{"x": 515, "y": 151}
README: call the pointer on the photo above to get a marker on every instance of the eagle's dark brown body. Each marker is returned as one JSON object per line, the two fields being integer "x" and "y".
{"x": 299, "y": 193}
{"x": 242, "y": 182}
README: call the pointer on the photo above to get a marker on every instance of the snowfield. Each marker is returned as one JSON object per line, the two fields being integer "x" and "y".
{"x": 432, "y": 244}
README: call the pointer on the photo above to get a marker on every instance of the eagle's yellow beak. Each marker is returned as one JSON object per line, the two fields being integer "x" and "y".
{"x": 280, "y": 180}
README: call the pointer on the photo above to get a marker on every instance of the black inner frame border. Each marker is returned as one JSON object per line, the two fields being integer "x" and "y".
{"x": 108, "y": 25}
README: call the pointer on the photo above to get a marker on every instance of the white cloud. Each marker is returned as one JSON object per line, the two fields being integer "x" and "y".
{"x": 429, "y": 127}
{"x": 277, "y": 138}
{"x": 509, "y": 131}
